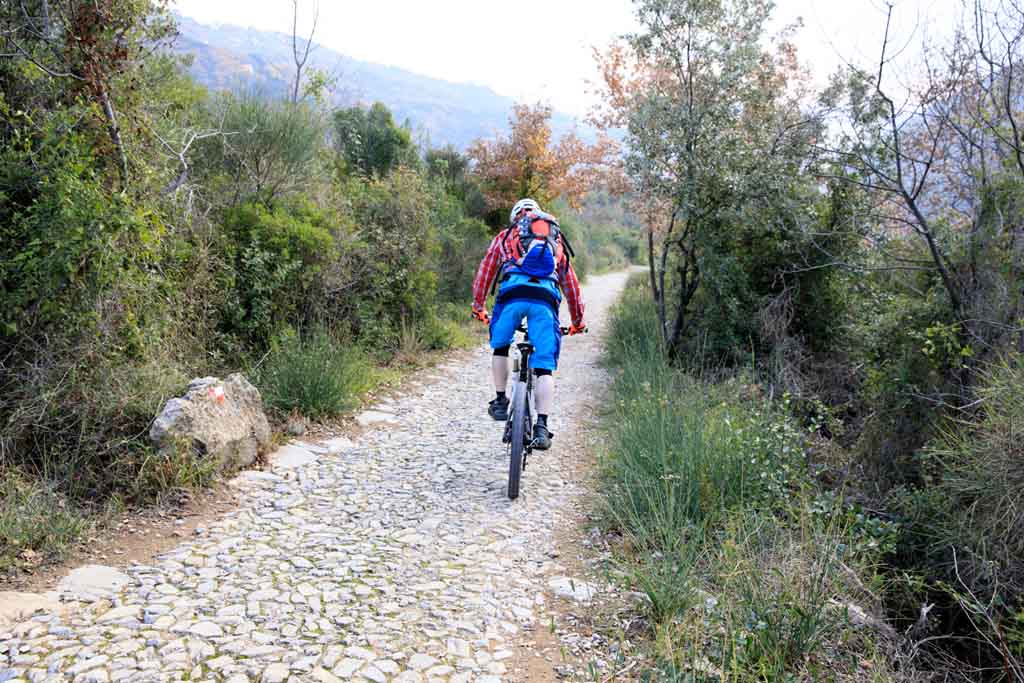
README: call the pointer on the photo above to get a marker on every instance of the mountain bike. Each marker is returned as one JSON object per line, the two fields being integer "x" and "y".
{"x": 519, "y": 428}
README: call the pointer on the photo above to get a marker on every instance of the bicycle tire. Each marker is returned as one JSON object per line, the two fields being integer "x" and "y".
{"x": 517, "y": 440}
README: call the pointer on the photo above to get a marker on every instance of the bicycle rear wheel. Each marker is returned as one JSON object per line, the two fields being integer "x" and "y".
{"x": 517, "y": 440}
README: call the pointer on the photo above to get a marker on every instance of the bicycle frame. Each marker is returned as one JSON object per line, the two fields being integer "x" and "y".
{"x": 522, "y": 378}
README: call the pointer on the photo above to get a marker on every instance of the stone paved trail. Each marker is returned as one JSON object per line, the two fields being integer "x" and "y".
{"x": 393, "y": 558}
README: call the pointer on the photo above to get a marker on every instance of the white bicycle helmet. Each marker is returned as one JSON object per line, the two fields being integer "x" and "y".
{"x": 521, "y": 205}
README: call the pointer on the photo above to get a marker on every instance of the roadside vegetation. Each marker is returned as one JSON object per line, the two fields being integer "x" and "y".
{"x": 815, "y": 462}
{"x": 751, "y": 570}
{"x": 152, "y": 232}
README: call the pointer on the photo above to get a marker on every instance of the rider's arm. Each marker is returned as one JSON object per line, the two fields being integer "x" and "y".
{"x": 486, "y": 273}
{"x": 570, "y": 285}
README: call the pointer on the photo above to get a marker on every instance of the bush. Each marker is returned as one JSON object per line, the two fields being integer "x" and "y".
{"x": 315, "y": 375}
{"x": 280, "y": 253}
{"x": 447, "y": 328}
{"x": 907, "y": 359}
{"x": 392, "y": 252}
{"x": 270, "y": 150}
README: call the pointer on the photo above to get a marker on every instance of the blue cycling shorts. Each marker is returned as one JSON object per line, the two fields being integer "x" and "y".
{"x": 542, "y": 322}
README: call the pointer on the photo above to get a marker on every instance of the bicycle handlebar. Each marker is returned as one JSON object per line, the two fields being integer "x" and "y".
{"x": 565, "y": 330}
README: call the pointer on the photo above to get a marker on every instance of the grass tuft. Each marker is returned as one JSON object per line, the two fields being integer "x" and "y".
{"x": 37, "y": 522}
{"x": 316, "y": 375}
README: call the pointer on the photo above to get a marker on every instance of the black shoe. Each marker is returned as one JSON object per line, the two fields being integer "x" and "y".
{"x": 498, "y": 409}
{"x": 541, "y": 437}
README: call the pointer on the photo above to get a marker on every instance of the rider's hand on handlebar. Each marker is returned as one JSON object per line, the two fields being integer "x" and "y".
{"x": 481, "y": 315}
{"x": 577, "y": 329}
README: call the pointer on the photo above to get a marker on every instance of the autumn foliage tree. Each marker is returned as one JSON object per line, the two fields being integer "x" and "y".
{"x": 529, "y": 163}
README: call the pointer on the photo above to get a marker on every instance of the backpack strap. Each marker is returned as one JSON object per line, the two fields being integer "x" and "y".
{"x": 565, "y": 243}
{"x": 505, "y": 235}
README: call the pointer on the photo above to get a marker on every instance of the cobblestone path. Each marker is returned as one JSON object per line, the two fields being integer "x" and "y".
{"x": 396, "y": 557}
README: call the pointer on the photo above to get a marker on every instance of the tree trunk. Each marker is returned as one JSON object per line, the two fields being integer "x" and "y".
{"x": 655, "y": 292}
{"x": 115, "y": 135}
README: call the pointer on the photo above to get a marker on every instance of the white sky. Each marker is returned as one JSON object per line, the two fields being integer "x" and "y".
{"x": 541, "y": 49}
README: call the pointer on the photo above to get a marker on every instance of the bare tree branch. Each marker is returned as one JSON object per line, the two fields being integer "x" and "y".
{"x": 301, "y": 54}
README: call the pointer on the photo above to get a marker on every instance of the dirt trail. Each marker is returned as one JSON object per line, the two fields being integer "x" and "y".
{"x": 392, "y": 557}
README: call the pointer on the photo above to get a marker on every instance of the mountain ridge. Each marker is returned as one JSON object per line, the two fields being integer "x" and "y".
{"x": 229, "y": 57}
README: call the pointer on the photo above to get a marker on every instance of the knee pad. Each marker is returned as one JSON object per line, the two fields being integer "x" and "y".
{"x": 502, "y": 351}
{"x": 541, "y": 372}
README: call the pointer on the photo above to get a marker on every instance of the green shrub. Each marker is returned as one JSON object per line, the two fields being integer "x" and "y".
{"x": 315, "y": 375}
{"x": 280, "y": 253}
{"x": 271, "y": 148}
{"x": 64, "y": 239}
{"x": 905, "y": 365}
{"x": 367, "y": 141}
{"x": 448, "y": 328}
{"x": 391, "y": 252}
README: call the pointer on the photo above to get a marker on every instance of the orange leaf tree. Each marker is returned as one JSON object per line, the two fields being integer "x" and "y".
{"x": 528, "y": 163}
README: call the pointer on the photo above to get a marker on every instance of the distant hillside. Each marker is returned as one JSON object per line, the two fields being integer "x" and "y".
{"x": 228, "y": 57}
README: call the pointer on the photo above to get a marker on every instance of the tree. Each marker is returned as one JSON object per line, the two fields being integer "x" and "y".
{"x": 943, "y": 163}
{"x": 527, "y": 163}
{"x": 90, "y": 48}
{"x": 453, "y": 168}
{"x": 369, "y": 142}
{"x": 716, "y": 144}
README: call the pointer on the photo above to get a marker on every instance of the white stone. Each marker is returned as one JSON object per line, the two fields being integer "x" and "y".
{"x": 16, "y": 607}
{"x": 256, "y": 477}
{"x": 291, "y": 457}
{"x": 388, "y": 666}
{"x": 420, "y": 661}
{"x": 324, "y": 676}
{"x": 337, "y": 445}
{"x": 372, "y": 673}
{"x": 275, "y": 673}
{"x": 573, "y": 589}
{"x": 207, "y": 629}
{"x": 88, "y": 665}
{"x": 225, "y": 417}
{"x": 92, "y": 582}
{"x": 360, "y": 653}
{"x": 348, "y": 667}
{"x": 117, "y": 614}
{"x": 370, "y": 418}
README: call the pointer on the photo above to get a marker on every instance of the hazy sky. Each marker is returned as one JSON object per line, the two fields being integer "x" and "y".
{"x": 541, "y": 49}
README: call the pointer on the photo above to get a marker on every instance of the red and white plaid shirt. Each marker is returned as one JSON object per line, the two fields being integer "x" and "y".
{"x": 498, "y": 255}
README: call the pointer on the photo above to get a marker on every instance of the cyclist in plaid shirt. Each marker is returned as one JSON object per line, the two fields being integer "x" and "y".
{"x": 532, "y": 279}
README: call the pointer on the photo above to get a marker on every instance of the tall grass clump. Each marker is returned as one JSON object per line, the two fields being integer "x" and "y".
{"x": 315, "y": 375}
{"x": 37, "y": 522}
{"x": 965, "y": 529}
{"x": 750, "y": 571}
